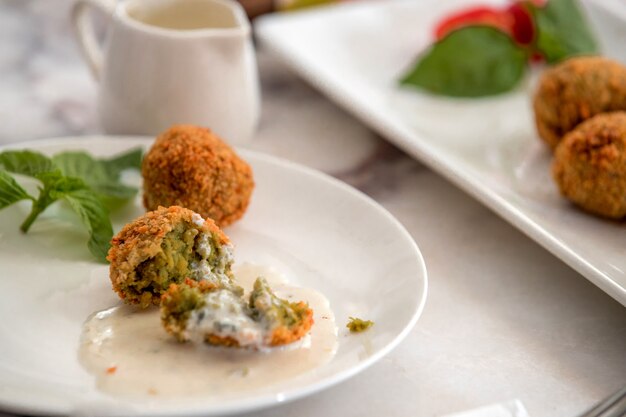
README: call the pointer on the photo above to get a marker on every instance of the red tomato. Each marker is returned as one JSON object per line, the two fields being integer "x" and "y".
{"x": 514, "y": 20}
{"x": 522, "y": 26}
{"x": 480, "y": 15}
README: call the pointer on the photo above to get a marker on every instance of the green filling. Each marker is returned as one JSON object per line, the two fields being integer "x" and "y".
{"x": 171, "y": 264}
{"x": 215, "y": 256}
{"x": 218, "y": 260}
{"x": 266, "y": 306}
{"x": 179, "y": 305}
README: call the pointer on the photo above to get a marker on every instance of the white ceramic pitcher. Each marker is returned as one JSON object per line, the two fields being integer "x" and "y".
{"x": 172, "y": 61}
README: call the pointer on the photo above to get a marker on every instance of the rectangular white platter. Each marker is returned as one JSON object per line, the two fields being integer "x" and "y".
{"x": 354, "y": 53}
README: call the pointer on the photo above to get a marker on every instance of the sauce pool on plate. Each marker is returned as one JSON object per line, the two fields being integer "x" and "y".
{"x": 130, "y": 353}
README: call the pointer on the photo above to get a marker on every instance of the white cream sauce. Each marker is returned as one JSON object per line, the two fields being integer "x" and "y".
{"x": 201, "y": 269}
{"x": 230, "y": 317}
{"x": 130, "y": 353}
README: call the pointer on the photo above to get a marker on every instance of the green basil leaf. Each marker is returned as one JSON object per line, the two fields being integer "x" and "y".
{"x": 94, "y": 217}
{"x": 128, "y": 160}
{"x": 25, "y": 162}
{"x": 59, "y": 185}
{"x": 10, "y": 191}
{"x": 115, "y": 190}
{"x": 473, "y": 61}
{"x": 81, "y": 165}
{"x": 55, "y": 186}
{"x": 101, "y": 175}
{"x": 562, "y": 30}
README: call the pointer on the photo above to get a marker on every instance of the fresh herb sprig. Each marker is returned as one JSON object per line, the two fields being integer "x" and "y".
{"x": 89, "y": 186}
{"x": 562, "y": 30}
{"x": 485, "y": 51}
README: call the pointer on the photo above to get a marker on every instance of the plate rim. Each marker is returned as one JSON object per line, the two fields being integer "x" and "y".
{"x": 265, "y": 400}
{"x": 403, "y": 138}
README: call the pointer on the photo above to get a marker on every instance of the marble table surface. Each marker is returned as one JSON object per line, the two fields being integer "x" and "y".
{"x": 504, "y": 318}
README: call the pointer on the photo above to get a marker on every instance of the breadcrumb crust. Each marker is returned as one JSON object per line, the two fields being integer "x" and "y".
{"x": 575, "y": 90}
{"x": 190, "y": 166}
{"x": 590, "y": 165}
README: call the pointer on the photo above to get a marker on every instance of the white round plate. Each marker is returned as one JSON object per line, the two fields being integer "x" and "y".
{"x": 320, "y": 232}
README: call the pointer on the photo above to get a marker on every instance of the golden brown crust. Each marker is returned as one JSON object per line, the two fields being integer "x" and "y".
{"x": 574, "y": 91}
{"x": 140, "y": 240}
{"x": 227, "y": 341}
{"x": 284, "y": 335}
{"x": 190, "y": 166}
{"x": 590, "y": 165}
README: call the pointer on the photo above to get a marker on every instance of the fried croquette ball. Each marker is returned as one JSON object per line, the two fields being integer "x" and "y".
{"x": 166, "y": 246}
{"x": 190, "y": 166}
{"x": 218, "y": 316}
{"x": 590, "y": 165}
{"x": 574, "y": 91}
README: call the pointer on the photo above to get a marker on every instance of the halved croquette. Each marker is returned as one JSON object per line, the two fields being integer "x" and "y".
{"x": 166, "y": 246}
{"x": 220, "y": 316}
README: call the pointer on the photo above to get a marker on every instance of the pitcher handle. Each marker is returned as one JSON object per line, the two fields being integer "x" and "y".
{"x": 85, "y": 33}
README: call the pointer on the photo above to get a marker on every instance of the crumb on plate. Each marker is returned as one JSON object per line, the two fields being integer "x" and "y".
{"x": 357, "y": 325}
